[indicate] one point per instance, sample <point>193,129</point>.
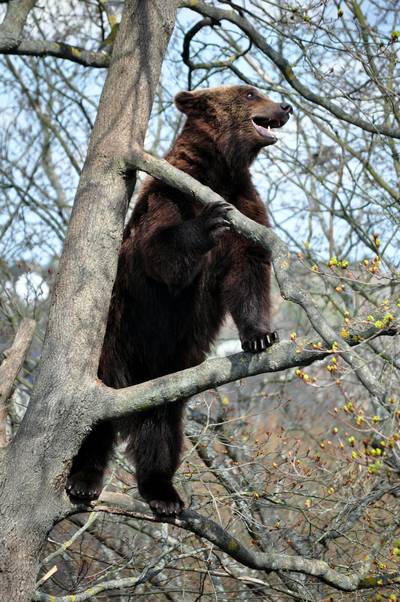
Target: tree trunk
<point>62,409</point>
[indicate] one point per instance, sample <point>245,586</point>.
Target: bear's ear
<point>184,101</point>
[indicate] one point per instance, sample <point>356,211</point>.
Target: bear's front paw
<point>260,342</point>
<point>85,485</point>
<point>214,221</point>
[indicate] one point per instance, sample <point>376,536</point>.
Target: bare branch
<point>211,373</point>
<point>14,358</point>
<point>11,41</point>
<point>211,531</point>
<point>14,21</point>
<point>41,48</point>
<point>113,584</point>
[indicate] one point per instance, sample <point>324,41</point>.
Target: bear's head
<point>240,119</point>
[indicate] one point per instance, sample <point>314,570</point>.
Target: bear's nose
<point>287,108</point>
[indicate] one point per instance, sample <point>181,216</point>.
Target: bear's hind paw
<point>161,496</point>
<point>166,507</point>
<point>84,485</point>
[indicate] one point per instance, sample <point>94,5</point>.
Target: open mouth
<point>266,127</point>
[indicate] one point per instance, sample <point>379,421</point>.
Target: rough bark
<point>60,412</point>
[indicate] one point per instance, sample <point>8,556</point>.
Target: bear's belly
<point>161,332</point>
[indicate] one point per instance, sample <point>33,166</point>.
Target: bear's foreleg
<point>247,295</point>
<point>174,255</point>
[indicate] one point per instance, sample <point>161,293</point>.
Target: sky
<point>284,199</point>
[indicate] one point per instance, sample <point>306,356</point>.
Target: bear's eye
<point>250,95</point>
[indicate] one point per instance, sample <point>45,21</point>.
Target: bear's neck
<point>196,152</point>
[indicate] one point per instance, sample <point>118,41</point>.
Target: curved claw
<point>166,508</point>
<point>217,208</point>
<point>161,496</point>
<point>260,342</point>
<point>84,486</point>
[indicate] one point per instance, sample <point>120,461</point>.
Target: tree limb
<point>14,21</point>
<point>11,41</point>
<point>211,373</point>
<point>41,48</point>
<point>120,504</point>
<point>14,359</point>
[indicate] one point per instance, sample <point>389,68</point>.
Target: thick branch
<point>282,258</point>
<point>285,68</point>
<point>15,19</point>
<point>14,358</point>
<point>211,373</point>
<point>208,529</point>
<point>42,48</point>
<point>11,41</point>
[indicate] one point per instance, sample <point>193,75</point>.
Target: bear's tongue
<point>266,132</point>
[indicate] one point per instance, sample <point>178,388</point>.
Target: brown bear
<point>180,270</point>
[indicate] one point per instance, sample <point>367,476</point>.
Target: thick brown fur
<point>180,270</point>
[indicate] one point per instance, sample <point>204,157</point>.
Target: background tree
<point>295,471</point>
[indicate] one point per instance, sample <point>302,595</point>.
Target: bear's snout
<point>287,109</point>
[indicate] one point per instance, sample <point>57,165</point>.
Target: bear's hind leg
<point>85,481</point>
<point>154,444</point>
